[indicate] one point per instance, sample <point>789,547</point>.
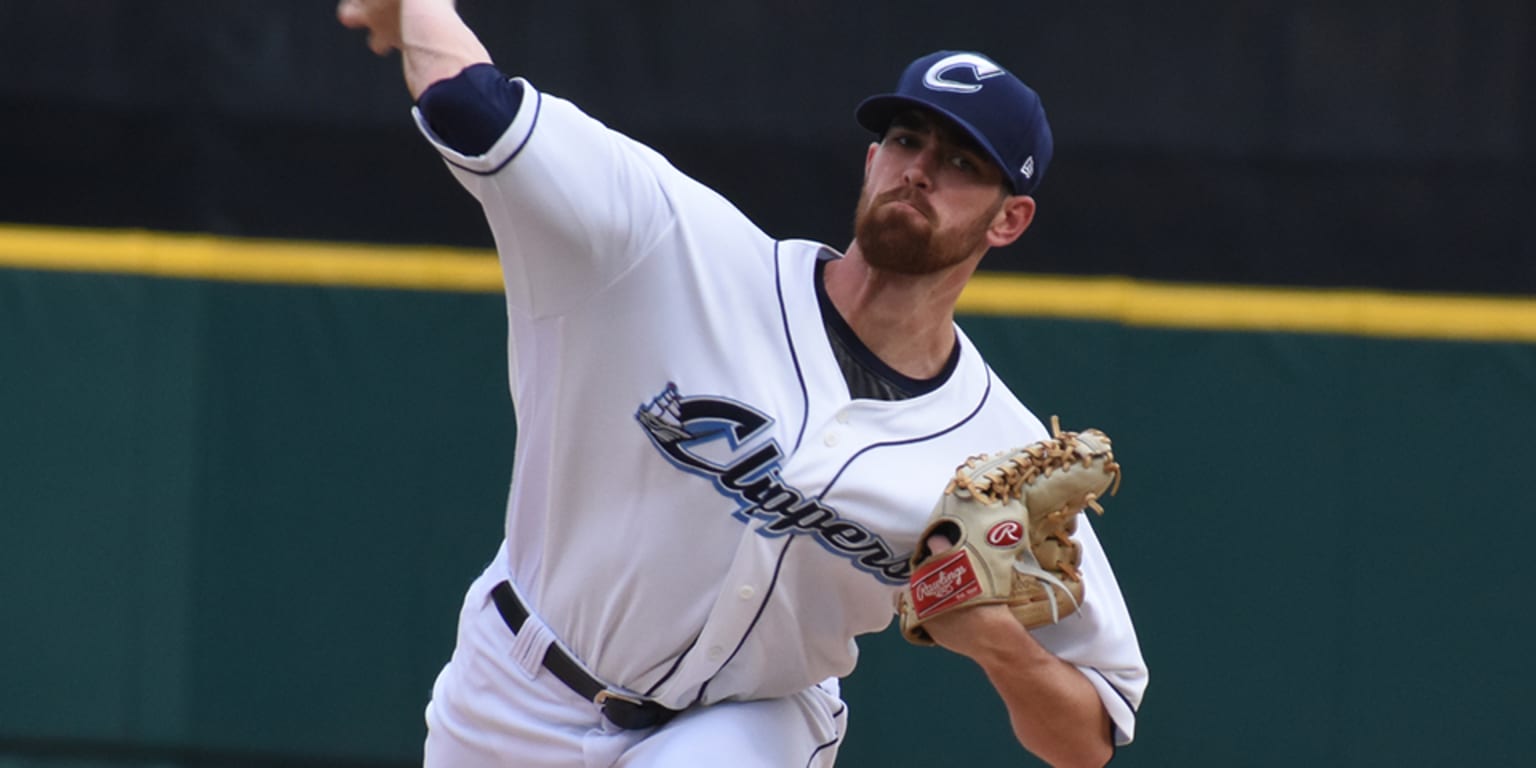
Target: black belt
<point>623,710</point>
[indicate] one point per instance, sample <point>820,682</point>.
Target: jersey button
<point>843,417</point>
<point>715,652</point>
<point>830,439</point>
<point>746,592</point>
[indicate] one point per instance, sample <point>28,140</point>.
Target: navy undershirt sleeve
<point>472,109</point>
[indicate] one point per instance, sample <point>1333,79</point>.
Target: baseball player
<point>728,444</point>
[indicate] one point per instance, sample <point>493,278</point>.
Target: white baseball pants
<point>495,706</point>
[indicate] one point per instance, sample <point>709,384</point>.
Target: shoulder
<point>1002,406</point>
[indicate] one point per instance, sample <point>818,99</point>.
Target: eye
<point>965,163</point>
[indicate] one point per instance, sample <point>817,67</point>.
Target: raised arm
<point>434,42</point>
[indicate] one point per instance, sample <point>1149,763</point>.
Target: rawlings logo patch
<point>942,584</point>
<point>1005,534</point>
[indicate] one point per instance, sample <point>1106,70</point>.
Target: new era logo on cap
<point>1002,114</point>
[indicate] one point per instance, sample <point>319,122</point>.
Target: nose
<point>919,169</point>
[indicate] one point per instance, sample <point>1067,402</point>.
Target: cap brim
<point>876,113</point>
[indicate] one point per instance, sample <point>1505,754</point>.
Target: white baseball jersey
<point>699,511</point>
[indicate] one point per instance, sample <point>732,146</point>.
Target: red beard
<point>904,240</point>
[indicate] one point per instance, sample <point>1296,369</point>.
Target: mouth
<point>909,201</point>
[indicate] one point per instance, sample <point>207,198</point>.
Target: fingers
<point>354,14</point>
<point>379,45</point>
<point>351,15</point>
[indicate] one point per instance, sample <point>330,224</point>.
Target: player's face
<point>930,196</point>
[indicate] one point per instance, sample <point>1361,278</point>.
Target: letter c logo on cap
<point>980,66</point>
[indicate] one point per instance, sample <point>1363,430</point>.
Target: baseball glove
<point>1010,517</point>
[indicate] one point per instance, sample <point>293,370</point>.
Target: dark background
<point>1308,143</point>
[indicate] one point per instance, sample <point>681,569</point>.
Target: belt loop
<point>530,644</point>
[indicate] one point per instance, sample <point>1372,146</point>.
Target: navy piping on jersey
<point>676,663</point>
<point>1116,689</point>
<point>805,417</point>
<point>819,748</point>
<point>778,567</point>
<point>986,393</point>
<point>471,110</point>
<point>1114,749</point>
<point>789,339</point>
<point>767,593</point>
<point>538,106</point>
<point>842,707</point>
<point>799,373</point>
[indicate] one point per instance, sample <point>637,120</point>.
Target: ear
<point>869,156</point>
<point>1015,216</point>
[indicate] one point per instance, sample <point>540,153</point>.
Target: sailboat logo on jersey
<point>714,437</point>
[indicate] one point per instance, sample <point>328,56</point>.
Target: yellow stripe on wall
<point>1209,307</point>
<point>1119,300</point>
<point>204,257</point>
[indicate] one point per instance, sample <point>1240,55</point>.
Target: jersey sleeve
<point>1100,639</point>
<point>470,111</point>
<point>571,204</point>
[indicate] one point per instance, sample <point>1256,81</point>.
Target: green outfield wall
<point>236,518</point>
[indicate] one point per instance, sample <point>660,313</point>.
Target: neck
<point>905,320</point>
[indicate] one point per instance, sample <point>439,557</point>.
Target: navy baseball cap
<point>988,102</point>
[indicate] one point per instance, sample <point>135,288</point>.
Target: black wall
<point>1312,143</point>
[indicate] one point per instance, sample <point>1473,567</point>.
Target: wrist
<point>987,634</point>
